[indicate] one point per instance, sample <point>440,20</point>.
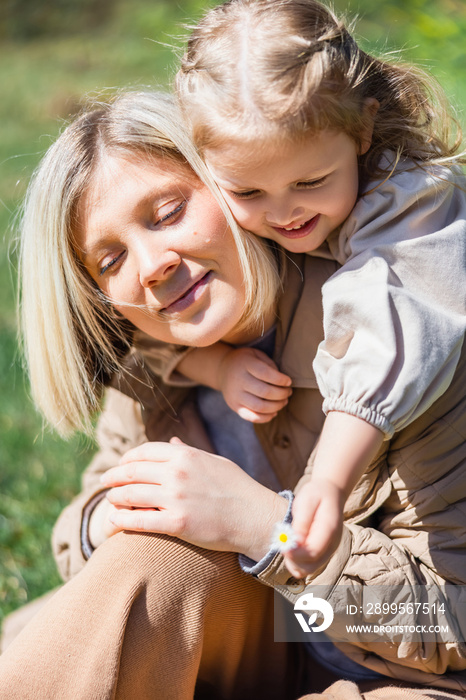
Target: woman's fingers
<point>134,472</point>
<point>150,452</point>
<point>142,520</point>
<point>137,496</point>
<point>176,441</point>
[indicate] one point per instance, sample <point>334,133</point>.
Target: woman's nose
<point>156,264</point>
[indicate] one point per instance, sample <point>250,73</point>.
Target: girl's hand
<point>346,447</point>
<point>251,384</point>
<point>318,523</point>
<point>201,498</point>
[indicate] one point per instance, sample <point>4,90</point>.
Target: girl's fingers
<point>261,406</point>
<point>304,509</point>
<point>323,532</point>
<point>253,417</point>
<point>293,568</point>
<point>263,390</point>
<point>268,373</point>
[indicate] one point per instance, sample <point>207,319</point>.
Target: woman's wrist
<point>98,529</point>
<point>258,536</point>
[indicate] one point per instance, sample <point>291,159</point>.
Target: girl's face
<point>295,193</point>
<point>157,244</point>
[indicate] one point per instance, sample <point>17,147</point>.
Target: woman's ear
<point>369,109</point>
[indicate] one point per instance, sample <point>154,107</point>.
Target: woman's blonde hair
<point>73,340</point>
<point>255,69</point>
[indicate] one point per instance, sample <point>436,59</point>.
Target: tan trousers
<point>150,617</point>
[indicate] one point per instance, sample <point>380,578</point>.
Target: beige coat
<point>416,487</point>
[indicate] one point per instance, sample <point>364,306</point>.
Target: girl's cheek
<point>246,216</point>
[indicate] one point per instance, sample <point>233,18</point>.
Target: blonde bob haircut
<point>73,340</point>
<point>258,70</point>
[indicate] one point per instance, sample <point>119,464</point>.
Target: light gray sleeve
<point>395,312</point>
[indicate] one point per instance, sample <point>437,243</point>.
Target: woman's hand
<point>201,498</point>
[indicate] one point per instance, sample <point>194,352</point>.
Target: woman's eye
<point>248,194</point>
<point>171,214</point>
<point>110,264</point>
<point>309,184</point>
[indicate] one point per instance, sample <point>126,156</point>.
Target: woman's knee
<point>155,560</point>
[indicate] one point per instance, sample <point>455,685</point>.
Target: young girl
<point>329,151</point>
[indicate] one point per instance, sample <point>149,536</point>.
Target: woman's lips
<point>191,295</point>
<point>301,232</point>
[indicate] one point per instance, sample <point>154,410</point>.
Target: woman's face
<point>157,244</point>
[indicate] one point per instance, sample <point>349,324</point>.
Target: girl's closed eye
<point>309,184</point>
<point>247,194</point>
<point>302,185</point>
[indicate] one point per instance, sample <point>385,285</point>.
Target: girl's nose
<point>283,212</point>
<point>156,264</point>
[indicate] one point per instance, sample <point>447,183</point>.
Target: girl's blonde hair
<point>73,340</point>
<point>260,69</point>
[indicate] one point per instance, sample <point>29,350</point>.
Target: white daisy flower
<point>283,537</point>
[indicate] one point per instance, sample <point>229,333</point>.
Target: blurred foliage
<point>28,19</point>
<point>54,55</point>
<point>431,33</point>
<point>25,20</point>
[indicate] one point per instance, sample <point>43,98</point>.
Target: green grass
<point>42,83</point>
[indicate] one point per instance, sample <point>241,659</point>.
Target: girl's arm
<point>346,448</point>
<point>249,380</point>
<point>203,365</point>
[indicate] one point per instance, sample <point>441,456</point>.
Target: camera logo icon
<point>313,607</point>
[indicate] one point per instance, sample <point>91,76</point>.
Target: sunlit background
<point>52,55</point>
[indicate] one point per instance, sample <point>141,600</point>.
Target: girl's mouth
<point>298,232</point>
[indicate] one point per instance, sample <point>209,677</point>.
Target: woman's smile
<point>188,297</point>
